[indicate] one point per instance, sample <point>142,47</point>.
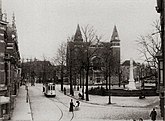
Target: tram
<point>49,89</point>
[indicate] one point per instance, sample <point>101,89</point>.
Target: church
<point>100,60</point>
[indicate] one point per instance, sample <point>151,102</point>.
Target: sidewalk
<point>22,111</point>
<point>148,102</point>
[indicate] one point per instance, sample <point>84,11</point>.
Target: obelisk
<point>131,84</point>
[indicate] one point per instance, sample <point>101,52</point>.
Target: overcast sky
<point>43,24</point>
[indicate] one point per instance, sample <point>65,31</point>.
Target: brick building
<point>102,56</point>
<point>9,67</point>
<point>4,100</point>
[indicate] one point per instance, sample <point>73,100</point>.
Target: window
<point>1,34</point>
<point>2,54</point>
<point>53,87</point>
<point>49,87</point>
<point>2,41</point>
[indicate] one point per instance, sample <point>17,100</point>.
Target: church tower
<point>78,35</point>
<point>115,47</point>
<point>1,10</point>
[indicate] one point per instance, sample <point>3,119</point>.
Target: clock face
<point>116,38</point>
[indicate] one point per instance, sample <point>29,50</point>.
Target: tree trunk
<point>106,79</point>
<point>83,87</point>
<point>71,84</point>
<point>87,73</point>
<point>109,85</point>
<point>62,78</point>
<point>80,78</point>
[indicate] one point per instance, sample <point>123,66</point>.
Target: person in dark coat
<point>64,91</point>
<point>71,106</point>
<point>153,114</point>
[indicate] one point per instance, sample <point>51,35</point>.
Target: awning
<point>4,100</point>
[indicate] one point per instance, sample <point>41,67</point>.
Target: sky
<point>42,25</point>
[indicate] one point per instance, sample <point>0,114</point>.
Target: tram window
<point>49,88</point>
<point>53,87</point>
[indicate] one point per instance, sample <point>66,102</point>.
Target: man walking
<point>71,106</point>
<point>153,114</point>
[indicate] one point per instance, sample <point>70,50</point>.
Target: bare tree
<point>60,59</point>
<point>107,59</point>
<point>149,45</point>
<point>79,54</point>
<point>69,62</point>
<point>89,36</point>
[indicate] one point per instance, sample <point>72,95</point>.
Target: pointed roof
<point>78,35</point>
<point>0,9</point>
<point>115,35</point>
<point>13,21</point>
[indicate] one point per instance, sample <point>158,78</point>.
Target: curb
<point>29,101</point>
<point>113,104</point>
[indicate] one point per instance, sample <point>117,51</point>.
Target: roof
<point>78,35</point>
<point>115,35</point>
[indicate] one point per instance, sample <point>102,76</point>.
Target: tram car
<point>49,89</point>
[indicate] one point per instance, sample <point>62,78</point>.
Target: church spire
<point>5,16</point>
<point>115,35</point>
<point>1,10</point>
<point>78,35</point>
<point>14,27</point>
<point>13,22</point>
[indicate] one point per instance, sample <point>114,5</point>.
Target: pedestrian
<point>153,115</point>
<point>64,91</point>
<point>71,106</point>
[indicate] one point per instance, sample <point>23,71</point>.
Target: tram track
<point>55,101</point>
<point>62,113</point>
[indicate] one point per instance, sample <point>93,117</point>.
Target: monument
<point>131,84</point>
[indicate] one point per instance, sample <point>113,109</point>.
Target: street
<point>50,108</point>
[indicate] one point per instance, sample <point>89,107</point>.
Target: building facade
<point>4,98</point>
<point>9,67</point>
<point>100,57</point>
